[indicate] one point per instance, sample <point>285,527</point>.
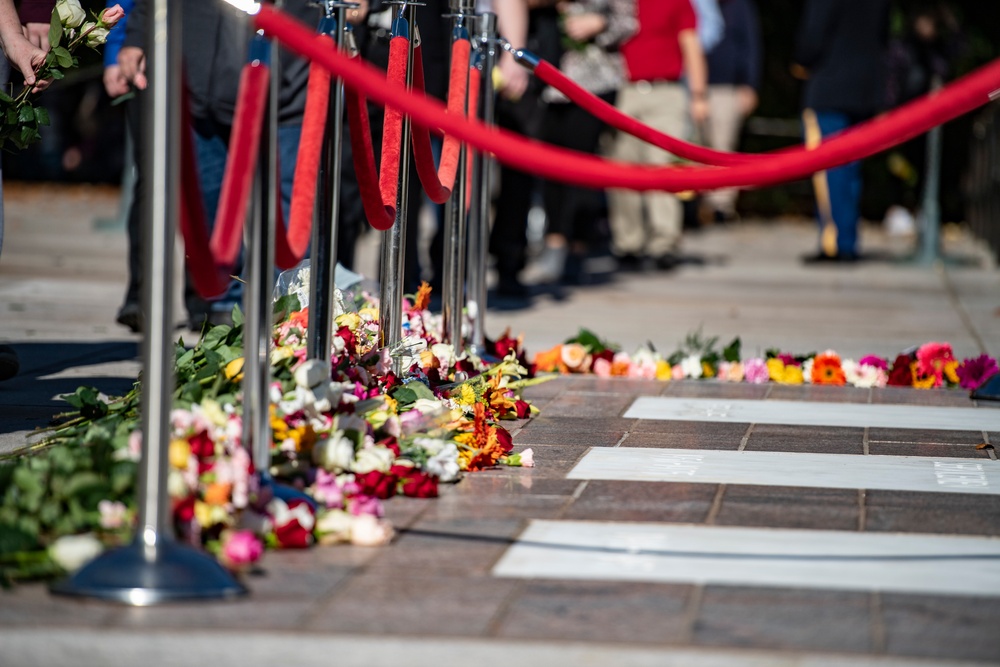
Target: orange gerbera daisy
<point>423,298</point>
<point>826,369</point>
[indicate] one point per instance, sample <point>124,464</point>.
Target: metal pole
<point>479,223</point>
<point>453,278</point>
<point>930,207</point>
<point>323,261</point>
<point>155,568</point>
<point>257,297</point>
<point>393,262</point>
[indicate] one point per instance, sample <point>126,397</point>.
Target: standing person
<point>215,43</point>
<point>733,81</point>
<point>26,54</point>
<point>646,227</point>
<point>592,32</point>
<point>840,51</point>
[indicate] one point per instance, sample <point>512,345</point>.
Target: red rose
<point>607,355</point>
<point>184,510</point>
<point>377,484</point>
<point>202,445</point>
<point>420,485</point>
<point>348,336</point>
<point>292,534</point>
<point>901,375</point>
<point>504,439</point>
<point>390,443</point>
<point>523,409</point>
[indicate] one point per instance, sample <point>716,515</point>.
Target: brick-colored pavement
<point>431,597</point>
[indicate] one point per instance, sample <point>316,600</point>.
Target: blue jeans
<point>844,184</point>
<point>211,148</point>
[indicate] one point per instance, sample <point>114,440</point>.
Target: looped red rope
<point>608,113</point>
<point>380,216</point>
<point>961,96</point>
<point>392,126</point>
<point>438,182</point>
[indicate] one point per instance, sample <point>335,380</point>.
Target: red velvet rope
<point>438,182</point>
<point>380,216</point>
<point>392,126</point>
<point>961,96</point>
<point>307,162</point>
<point>237,179</point>
<point>608,113</point>
<point>209,279</point>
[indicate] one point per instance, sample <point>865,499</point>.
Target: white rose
<point>334,527</point>
<point>177,486</point>
<point>368,531</point>
<point>445,354</point>
<point>70,12</point>
<point>97,36</point>
<point>432,446</point>
<point>373,458</point>
<point>335,453</point>
<point>312,372</point>
<point>444,464</point>
<point>71,552</point>
<point>692,366</point>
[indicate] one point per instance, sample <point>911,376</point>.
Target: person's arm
<point>512,24</point>
<point>696,74</point>
<point>21,53</point>
<point>132,56</point>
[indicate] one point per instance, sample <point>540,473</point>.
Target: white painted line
<point>807,413</point>
<point>932,564</point>
<point>831,471</point>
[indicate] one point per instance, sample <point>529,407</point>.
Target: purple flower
<point>972,373</point>
<point>873,360</point>
<point>755,371</point>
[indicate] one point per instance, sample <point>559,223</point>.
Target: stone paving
<point>432,597</point>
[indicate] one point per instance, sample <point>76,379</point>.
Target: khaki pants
<point>648,223</point>
<point>723,129</point>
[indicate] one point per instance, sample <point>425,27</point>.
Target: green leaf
<point>42,116</point>
<point>63,56</point>
<point>28,481</point>
<point>732,351</point>
<point>237,317</point>
<point>26,114</point>
<point>13,539</point>
<point>56,74</point>
<point>55,29</point>
<point>284,307</point>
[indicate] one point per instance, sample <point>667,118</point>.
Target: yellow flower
<point>706,370</point>
<point>208,515</point>
<point>350,320</point>
<point>214,413</point>
<point>466,396</point>
<point>792,375</point>
<point>922,382</point>
<point>775,369</point>
<point>951,372</point>
<point>179,454</point>
<point>467,438</point>
<point>281,353</point>
<point>234,370</point>
<point>663,370</point>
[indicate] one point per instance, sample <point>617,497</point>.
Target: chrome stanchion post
<point>392,267</point>
<point>930,206</point>
<point>453,278</point>
<point>323,258</point>
<point>479,222</point>
<point>155,567</point>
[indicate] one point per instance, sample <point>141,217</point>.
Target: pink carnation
<point>240,548</point>
<point>755,371</point>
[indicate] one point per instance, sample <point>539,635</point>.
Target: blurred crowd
<point>689,68</point>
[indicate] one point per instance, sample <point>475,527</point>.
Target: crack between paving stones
<point>746,438</point>
<point>716,507</point>
<point>960,309</point>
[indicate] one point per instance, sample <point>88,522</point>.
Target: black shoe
<point>512,287</point>
<point>666,262</point>
<point>823,258</point>
<point>9,362</point>
<point>630,263</point>
<point>130,315</point>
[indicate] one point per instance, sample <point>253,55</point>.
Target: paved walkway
<point>560,564</point>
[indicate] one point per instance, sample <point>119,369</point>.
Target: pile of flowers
<point>930,366</point>
<point>346,438</point>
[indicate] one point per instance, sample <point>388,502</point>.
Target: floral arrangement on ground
<point>345,439</point>
<point>929,366</point>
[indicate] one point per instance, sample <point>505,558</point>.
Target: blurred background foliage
<point>86,140</point>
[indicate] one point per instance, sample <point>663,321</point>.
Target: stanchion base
<point>131,576</point>
<point>989,391</point>
<point>285,492</point>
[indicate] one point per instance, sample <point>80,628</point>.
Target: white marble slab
<point>807,413</point>
<point>831,471</point>
<point>933,564</point>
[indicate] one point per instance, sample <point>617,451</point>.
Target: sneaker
<point>9,362</point>
<point>548,268</point>
<point>899,222</point>
<point>130,315</point>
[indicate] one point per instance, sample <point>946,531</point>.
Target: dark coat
<point>842,44</point>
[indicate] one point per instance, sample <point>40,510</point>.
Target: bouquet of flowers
<point>69,29</point>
